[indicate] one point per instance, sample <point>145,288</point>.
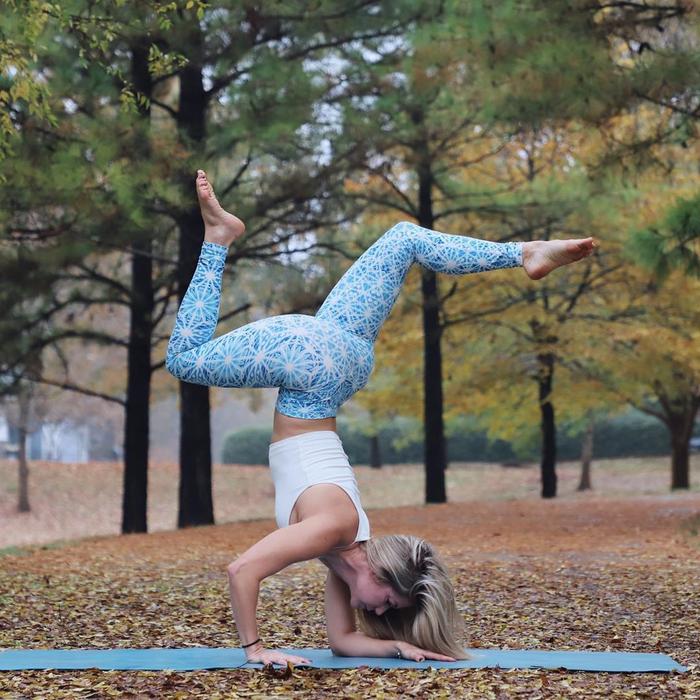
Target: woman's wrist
<point>253,648</point>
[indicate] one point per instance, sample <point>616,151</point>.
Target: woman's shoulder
<point>330,499</point>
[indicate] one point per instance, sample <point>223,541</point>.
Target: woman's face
<point>370,594</point>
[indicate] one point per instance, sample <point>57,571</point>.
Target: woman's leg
<point>299,353</point>
<point>311,360</point>
<point>198,313</point>
<point>365,294</point>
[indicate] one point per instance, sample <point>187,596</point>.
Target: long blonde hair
<point>412,567</point>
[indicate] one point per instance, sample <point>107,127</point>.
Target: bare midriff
<point>286,426</point>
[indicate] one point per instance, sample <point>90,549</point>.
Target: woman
<point>399,586</point>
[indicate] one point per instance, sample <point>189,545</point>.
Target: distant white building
<point>60,442</point>
<point>56,442</point>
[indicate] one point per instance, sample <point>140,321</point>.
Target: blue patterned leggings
<point>318,362</point>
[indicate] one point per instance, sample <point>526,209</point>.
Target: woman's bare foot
<point>219,225</point>
<point>541,257</point>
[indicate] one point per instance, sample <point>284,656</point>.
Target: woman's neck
<point>345,563</point>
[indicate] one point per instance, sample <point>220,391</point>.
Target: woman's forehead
<point>402,600</point>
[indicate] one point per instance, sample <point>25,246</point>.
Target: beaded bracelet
<point>243,646</point>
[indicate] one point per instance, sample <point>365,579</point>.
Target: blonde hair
<point>412,567</point>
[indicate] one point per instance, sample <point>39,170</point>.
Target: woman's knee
<point>174,367</point>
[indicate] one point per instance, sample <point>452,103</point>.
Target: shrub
<point>246,446</point>
<point>632,434</point>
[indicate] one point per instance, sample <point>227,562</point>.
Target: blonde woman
<point>398,585</point>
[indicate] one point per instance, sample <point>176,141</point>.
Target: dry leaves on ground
<point>595,574</point>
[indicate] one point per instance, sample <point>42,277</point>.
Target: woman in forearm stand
<point>398,584</point>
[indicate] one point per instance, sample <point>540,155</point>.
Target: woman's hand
<point>272,656</point>
<point>408,651</point>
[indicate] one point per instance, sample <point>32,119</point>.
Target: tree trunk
<point>681,412</point>
<point>22,463</point>
<point>375,454</point>
<point>435,449</point>
<point>136,427</point>
<point>548,426</point>
<point>586,458</point>
<point>195,493</point>
<point>680,464</point>
<point>680,426</point>
<point>138,389</point>
<point>195,503</point>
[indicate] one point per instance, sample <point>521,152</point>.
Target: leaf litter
<point>594,574</point>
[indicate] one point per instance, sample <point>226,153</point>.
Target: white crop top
<point>308,459</point>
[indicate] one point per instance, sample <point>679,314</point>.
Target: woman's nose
<point>380,610</point>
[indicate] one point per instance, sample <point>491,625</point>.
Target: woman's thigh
<point>294,351</point>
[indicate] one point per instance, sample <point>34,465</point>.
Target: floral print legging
<point>318,362</point>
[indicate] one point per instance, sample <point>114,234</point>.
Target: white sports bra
<point>308,459</point>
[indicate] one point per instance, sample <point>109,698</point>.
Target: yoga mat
<point>196,658</point>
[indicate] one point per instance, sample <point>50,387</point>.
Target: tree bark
<point>195,502</point>
<point>680,425</point>
<point>375,454</point>
<point>435,448</point>
<point>586,458</point>
<point>195,493</point>
<point>680,464</point>
<point>679,416</point>
<point>548,426</point>
<point>22,463</point>
<point>138,389</point>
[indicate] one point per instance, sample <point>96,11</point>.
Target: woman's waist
<point>285,426</point>
<point>310,458</point>
<point>307,438</point>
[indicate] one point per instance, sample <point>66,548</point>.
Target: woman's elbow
<point>243,572</point>
<point>235,567</point>
<point>341,644</point>
<point>337,649</point>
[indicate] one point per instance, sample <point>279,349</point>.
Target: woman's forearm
<point>359,644</point>
<point>244,589</point>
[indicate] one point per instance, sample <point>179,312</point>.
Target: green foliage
<point>673,244</point>
<point>246,446</point>
<point>161,63</point>
<point>632,434</point>
<point>22,92</point>
<point>539,62</point>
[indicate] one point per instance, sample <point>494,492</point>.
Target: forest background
<point>322,124</point>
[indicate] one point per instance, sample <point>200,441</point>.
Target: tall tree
<point>105,207</point>
<point>451,80</point>
<point>427,113</point>
<point>264,61</point>
<point>131,197</point>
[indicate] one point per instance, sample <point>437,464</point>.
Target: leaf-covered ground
<point>598,574</point>
<point>70,501</point>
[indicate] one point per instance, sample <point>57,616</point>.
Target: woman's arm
<point>343,637</point>
<point>345,640</point>
<point>308,539</point>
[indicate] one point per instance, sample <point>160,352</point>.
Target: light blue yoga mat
<point>198,658</point>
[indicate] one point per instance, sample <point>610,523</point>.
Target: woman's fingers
<point>283,658</point>
<point>422,655</point>
<point>440,657</point>
<point>267,657</point>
